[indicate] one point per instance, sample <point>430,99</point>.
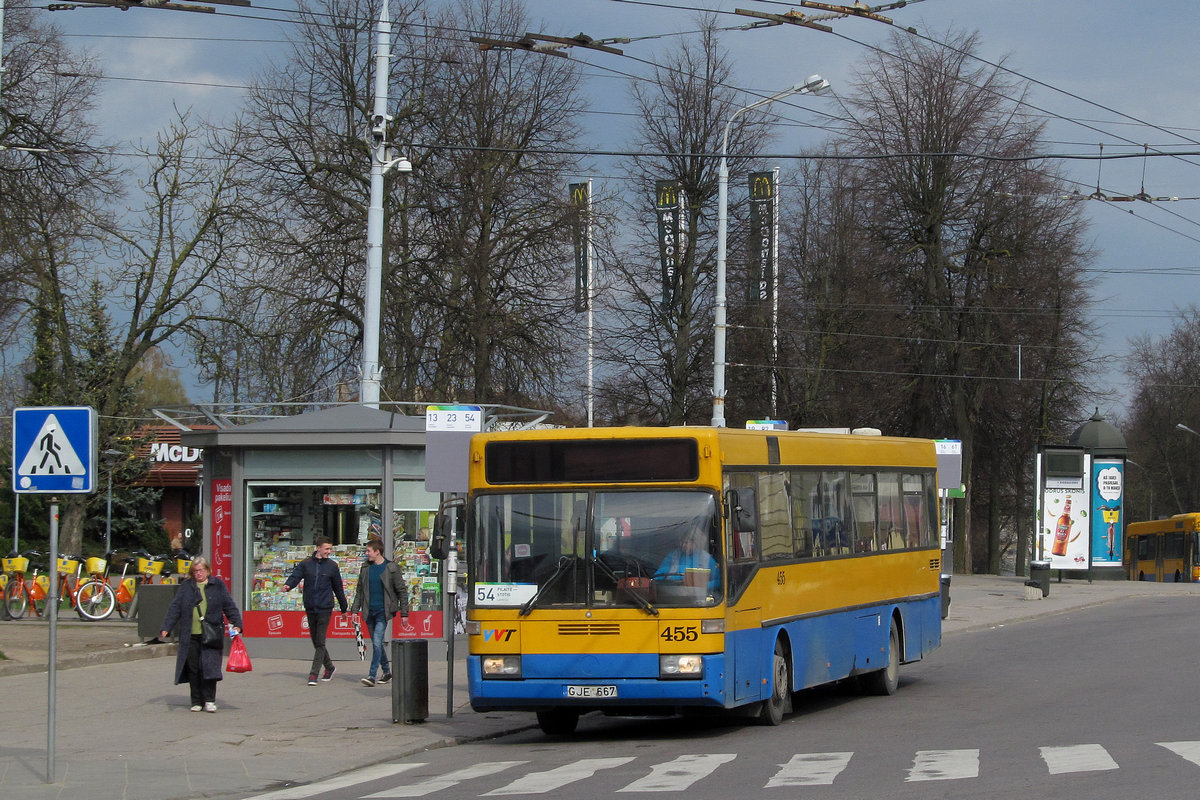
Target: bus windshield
<point>638,549</point>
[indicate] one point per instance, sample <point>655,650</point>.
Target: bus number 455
<point>680,633</point>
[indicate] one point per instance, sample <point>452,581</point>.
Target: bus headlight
<point>680,667</point>
<point>501,666</point>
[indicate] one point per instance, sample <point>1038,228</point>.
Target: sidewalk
<point>123,730</point>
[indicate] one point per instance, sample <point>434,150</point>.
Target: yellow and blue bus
<point>1164,549</point>
<point>646,571</point>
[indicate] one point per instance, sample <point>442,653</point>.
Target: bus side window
<point>774,515</point>
<point>804,515</point>
<point>863,504</point>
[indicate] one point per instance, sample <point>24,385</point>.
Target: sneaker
<point>197,708</point>
<point>387,678</point>
<point>368,681</point>
<point>328,674</point>
<point>312,680</point>
<point>210,708</point>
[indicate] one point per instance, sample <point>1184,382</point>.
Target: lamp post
<point>1183,427</point>
<point>814,85</point>
<point>383,159</point>
<point>110,458</point>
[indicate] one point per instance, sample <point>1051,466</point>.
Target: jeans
<point>377,624</point>
<point>318,628</point>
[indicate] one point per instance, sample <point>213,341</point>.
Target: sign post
<point>448,432</point>
<point>54,452</point>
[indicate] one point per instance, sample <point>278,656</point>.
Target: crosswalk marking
<point>1077,758</point>
<point>541,782</point>
<point>439,782</point>
<point>944,765</point>
<point>679,774</point>
<point>810,769</point>
<point>674,776</point>
<point>1188,750</point>
<point>340,782</point>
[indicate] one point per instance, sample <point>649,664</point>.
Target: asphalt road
<point>1094,703</point>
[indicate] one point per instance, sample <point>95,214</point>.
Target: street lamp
<point>814,85</point>
<point>1183,427</point>
<point>110,458</point>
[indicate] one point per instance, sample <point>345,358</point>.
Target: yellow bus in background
<point>1164,549</point>
<point>643,571</point>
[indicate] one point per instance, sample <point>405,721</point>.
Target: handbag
<point>239,659</point>
<point>212,634</point>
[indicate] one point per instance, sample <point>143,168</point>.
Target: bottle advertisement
<point>1064,527</point>
<point>1108,482</point>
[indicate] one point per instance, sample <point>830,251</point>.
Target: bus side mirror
<point>742,509</point>
<point>439,540</point>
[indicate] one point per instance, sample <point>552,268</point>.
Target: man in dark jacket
<point>322,583</point>
<point>381,593</point>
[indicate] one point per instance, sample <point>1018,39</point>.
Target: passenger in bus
<point>691,554</point>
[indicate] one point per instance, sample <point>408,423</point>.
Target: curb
<point>129,653</point>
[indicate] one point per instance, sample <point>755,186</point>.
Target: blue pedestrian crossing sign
<point>54,450</point>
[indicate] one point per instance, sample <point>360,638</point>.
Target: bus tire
<point>558,721</point>
<point>780,701</point>
<point>886,680</point>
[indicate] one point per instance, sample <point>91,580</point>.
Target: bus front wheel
<point>780,701</point>
<point>886,680</point>
<point>558,721</point>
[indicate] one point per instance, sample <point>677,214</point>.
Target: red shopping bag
<point>239,659</point>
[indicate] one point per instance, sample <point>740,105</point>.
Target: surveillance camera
<point>403,165</point>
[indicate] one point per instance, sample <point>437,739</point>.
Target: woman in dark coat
<point>200,666</point>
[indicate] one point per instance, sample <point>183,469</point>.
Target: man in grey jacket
<point>381,593</point>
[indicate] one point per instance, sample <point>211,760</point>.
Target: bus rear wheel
<point>886,680</point>
<point>780,701</point>
<point>558,721</point>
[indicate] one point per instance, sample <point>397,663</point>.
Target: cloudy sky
<point>1109,73</point>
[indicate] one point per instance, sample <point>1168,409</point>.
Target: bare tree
<point>660,353</point>
<point>1165,371</point>
<point>476,251</point>
<point>971,258</point>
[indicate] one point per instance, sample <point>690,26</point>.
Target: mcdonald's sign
<point>580,231</point>
<point>762,237</point>
<point>668,206</point>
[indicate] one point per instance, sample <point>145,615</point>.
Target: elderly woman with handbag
<point>200,609</point>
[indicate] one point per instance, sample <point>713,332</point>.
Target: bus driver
<point>691,554</point>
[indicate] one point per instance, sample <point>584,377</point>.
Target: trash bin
<point>1039,573</point>
<point>153,599</point>
<point>410,680</point>
<point>945,595</point>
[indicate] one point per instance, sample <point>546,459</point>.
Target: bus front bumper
<point>595,681</point>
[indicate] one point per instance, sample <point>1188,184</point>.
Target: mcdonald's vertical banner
<point>667,205</point>
<point>580,235</point>
<point>762,237</point>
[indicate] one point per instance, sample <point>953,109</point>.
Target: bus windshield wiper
<point>563,564</point>
<point>637,598</point>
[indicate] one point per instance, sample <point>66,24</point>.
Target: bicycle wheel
<point>95,600</point>
<point>15,601</point>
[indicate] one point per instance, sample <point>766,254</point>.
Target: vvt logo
<point>498,634</point>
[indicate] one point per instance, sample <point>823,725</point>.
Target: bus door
<point>741,526</point>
